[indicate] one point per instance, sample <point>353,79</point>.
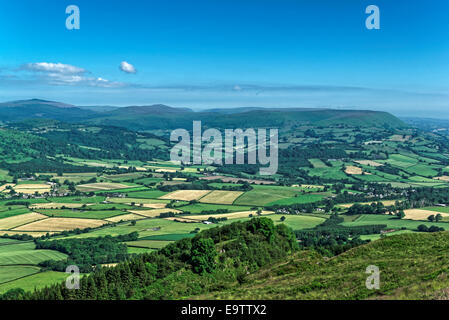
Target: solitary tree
<point>431,218</point>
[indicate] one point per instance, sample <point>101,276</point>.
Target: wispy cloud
<point>127,67</point>
<point>53,68</point>
<point>60,74</point>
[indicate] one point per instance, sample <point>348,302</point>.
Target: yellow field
<point>221,197</point>
<point>419,214</point>
<point>179,219</point>
<point>125,217</point>
<point>165,170</point>
<point>15,221</point>
<point>353,170</point>
<point>33,234</point>
<point>369,163</point>
<point>385,202</point>
<point>55,205</point>
<point>234,215</point>
<point>153,213</point>
<point>3,187</point>
<point>154,205</point>
<point>186,195</point>
<point>101,186</point>
<point>32,188</point>
<point>61,224</point>
<point>313,186</point>
<point>145,203</point>
<point>442,178</point>
<point>399,137</point>
<point>137,168</point>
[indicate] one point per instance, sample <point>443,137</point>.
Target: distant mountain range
<point>160,117</point>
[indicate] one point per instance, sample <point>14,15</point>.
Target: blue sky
<point>226,53</point>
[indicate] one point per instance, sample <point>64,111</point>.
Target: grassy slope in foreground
<point>412,266</point>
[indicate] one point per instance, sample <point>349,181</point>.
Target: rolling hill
<point>162,117</point>
<point>36,108</point>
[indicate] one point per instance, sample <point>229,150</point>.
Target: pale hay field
<point>15,221</point>
<point>234,215</point>
<point>54,205</point>
<point>32,188</point>
<point>385,202</point>
<point>369,163</point>
<point>3,187</point>
<point>221,197</point>
<point>186,195</point>
<point>61,224</point>
<point>353,170</point>
<point>442,178</point>
<point>33,234</point>
<point>100,186</point>
<point>125,217</point>
<point>153,213</point>
<point>420,214</point>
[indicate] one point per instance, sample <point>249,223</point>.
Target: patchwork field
<point>35,280</point>
<point>392,222</point>
<point>317,163</point>
<point>24,253</point>
<point>10,273</point>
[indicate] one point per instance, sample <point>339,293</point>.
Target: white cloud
<point>66,75</point>
<point>127,67</point>
<point>237,88</point>
<point>54,68</point>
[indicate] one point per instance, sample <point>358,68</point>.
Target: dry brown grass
<point>61,224</point>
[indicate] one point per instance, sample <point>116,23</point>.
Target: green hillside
<point>283,118</point>
<point>412,266</point>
